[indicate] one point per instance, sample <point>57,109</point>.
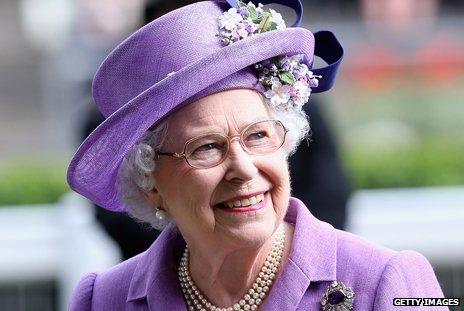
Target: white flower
<point>301,88</point>
<point>294,61</point>
<point>230,19</point>
<point>259,9</point>
<point>278,94</point>
<point>274,80</point>
<point>303,70</point>
<point>303,91</point>
<point>252,5</point>
<point>277,18</point>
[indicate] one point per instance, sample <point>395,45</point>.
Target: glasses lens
<point>206,151</point>
<point>264,137</point>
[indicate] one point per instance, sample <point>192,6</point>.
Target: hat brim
<point>94,168</point>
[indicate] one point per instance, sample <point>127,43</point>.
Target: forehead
<point>227,111</point>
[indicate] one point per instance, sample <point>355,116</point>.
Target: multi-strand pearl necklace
<point>255,295</point>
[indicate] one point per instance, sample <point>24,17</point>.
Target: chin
<point>252,234</point>
<point>251,228</point>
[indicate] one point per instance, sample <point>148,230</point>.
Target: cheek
<point>278,174</point>
<point>187,191</point>
<point>282,191</point>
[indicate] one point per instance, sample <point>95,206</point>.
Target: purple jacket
<point>320,255</point>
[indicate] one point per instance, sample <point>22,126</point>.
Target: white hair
<point>136,171</point>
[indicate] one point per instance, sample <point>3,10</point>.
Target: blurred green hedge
<point>431,163</point>
<point>32,182</point>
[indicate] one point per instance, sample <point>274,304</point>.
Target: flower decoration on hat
<point>337,297</point>
<point>287,79</point>
<point>248,20</point>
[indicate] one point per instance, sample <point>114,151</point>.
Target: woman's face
<point>196,198</point>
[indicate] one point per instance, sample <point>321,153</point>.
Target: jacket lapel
<point>155,277</point>
<point>312,258</point>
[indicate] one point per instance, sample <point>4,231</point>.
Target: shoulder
<point>107,288</point>
<point>357,253</point>
<point>408,274</point>
<point>380,274</point>
<point>82,295</point>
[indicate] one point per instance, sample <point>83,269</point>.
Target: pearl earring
<point>160,215</point>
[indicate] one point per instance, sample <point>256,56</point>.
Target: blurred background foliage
<point>408,134</point>
<point>32,181</point>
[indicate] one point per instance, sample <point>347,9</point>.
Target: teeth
<point>245,202</point>
<point>253,200</point>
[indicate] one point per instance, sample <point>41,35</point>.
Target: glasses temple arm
<point>175,154</point>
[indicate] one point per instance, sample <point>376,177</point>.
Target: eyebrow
<point>217,129</point>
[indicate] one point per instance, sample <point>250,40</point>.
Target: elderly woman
<point>203,109</point>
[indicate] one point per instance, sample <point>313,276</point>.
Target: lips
<point>244,203</point>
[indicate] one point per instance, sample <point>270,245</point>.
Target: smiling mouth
<point>245,203</point>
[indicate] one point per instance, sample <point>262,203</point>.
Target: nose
<point>240,165</point>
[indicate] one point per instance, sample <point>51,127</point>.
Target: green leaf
<point>252,12</point>
<point>287,77</point>
<point>272,26</point>
<point>264,25</point>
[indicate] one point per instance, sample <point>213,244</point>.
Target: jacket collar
<point>314,248</point>
<point>312,259</point>
<point>155,277</point>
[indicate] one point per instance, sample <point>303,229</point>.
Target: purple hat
<point>169,63</point>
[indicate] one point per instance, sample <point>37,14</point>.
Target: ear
<point>154,197</point>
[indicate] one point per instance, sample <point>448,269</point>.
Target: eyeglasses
<point>209,150</point>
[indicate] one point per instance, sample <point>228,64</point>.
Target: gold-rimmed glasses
<point>211,149</point>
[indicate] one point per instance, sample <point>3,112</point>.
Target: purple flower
<point>241,31</point>
<point>296,74</point>
<point>293,91</point>
<point>285,63</point>
<point>243,11</point>
<point>313,82</point>
<point>250,26</point>
<point>272,68</point>
<point>235,36</point>
<point>266,63</point>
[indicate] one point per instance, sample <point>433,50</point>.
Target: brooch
<point>337,297</point>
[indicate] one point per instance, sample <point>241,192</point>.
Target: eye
<point>257,135</point>
<point>207,147</point>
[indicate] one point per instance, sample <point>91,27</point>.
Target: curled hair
<point>136,171</point>
<point>136,175</point>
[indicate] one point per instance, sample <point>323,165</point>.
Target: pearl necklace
<point>255,295</point>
